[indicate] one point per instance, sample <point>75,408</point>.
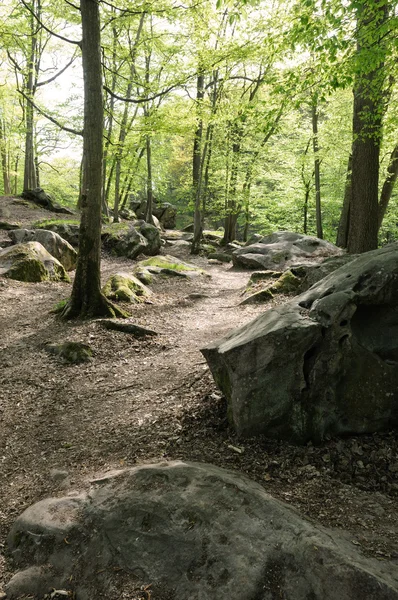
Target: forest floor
<point>153,399</point>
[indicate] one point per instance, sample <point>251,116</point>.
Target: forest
<point>198,300</point>
<point>256,116</point>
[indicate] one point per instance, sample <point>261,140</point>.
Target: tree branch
<point>60,37</point>
<point>72,60</point>
<point>57,123</point>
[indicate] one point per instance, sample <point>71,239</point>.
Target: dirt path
<point>154,399</point>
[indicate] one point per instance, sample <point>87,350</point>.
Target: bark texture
<point>87,299</point>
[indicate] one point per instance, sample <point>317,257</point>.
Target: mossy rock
<point>6,226</point>
<point>124,287</point>
<point>260,275</point>
<point>286,284</point>
<point>71,352</point>
<point>220,256</point>
<point>143,275</point>
<point>31,262</point>
<point>171,263</point>
<point>261,296</point>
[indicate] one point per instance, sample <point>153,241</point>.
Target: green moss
<point>30,270</point>
<point>143,275</point>
<point>125,288</point>
<point>169,262</point>
<point>44,223</point>
<point>115,228</point>
<point>286,284</point>
<point>59,306</point>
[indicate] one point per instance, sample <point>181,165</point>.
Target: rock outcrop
<point>39,197</point>
<point>68,231</point>
<point>30,262</point>
<point>52,242</point>
<point>187,531</point>
<point>324,363</point>
<point>282,249</point>
<point>129,240</point>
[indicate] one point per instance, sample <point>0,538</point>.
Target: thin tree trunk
<point>16,174</point>
<point>317,170</point>
<point>388,186</point>
<point>342,231</point>
<point>197,168</point>
<point>4,161</point>
<point>86,299</point>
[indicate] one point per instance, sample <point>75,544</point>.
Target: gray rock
<point>132,240</point>
<point>283,249</point>
<point>310,274</point>
<point>167,214</point>
<point>52,242</point>
<point>323,363</point>
<point>30,262</point>
<point>192,531</point>
<point>67,231</point>
<point>39,196</point>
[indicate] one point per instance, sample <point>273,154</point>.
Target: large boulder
<point>129,240</point>
<point>52,242</point>
<point>324,363</point>
<point>282,249</point>
<point>167,214</point>
<point>125,287</point>
<point>187,531</point>
<point>30,262</point>
<point>68,231</point>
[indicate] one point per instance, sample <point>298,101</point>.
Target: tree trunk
<point>367,129</point>
<point>30,180</point>
<point>342,231</point>
<point>87,299</point>
<point>4,161</point>
<point>388,186</point>
<point>197,168</point>
<point>317,170</point>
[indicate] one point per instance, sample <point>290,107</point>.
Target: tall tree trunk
<point>197,167</point>
<point>30,179</point>
<point>342,231</point>
<point>388,185</point>
<point>86,299</point>
<point>317,170</point>
<point>367,128</point>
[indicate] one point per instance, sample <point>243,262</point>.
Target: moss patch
<point>59,306</point>
<point>286,284</point>
<point>170,263</point>
<point>46,223</point>
<point>32,263</point>
<point>123,287</point>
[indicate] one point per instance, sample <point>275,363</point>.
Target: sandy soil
<point>153,399</point>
